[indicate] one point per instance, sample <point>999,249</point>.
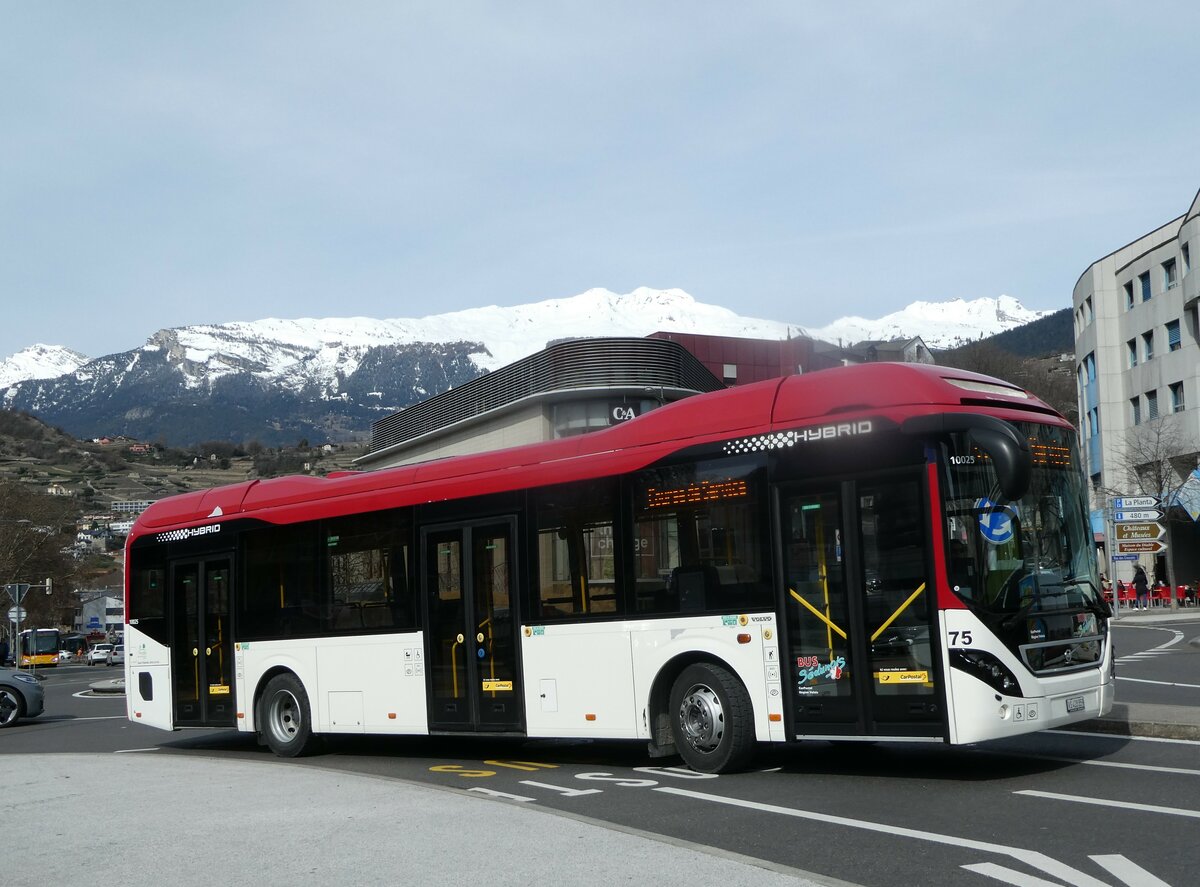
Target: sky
<point>800,161</point>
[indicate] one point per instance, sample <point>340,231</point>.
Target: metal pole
<point>1111,546</point>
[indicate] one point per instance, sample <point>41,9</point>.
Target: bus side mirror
<point>1006,447</point>
<point>1011,457</point>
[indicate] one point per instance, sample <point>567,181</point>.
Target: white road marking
<point>563,790</point>
<point>1111,736</point>
<point>129,751</point>
<point>1122,765</point>
<point>1129,872</point>
<point>1009,876</point>
<point>1031,858</point>
<point>1160,683</point>
<point>492,793</point>
<point>1102,802</point>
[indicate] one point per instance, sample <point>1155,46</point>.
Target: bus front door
<point>470,627</point>
<point>858,599</point>
<point>201,644</point>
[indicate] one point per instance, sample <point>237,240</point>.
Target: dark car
<point>20,696</point>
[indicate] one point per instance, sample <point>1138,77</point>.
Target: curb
<point>115,686</point>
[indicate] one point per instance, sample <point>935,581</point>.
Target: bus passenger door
<point>823,643</point>
<point>858,606</point>
<point>470,627</point>
<point>201,643</point>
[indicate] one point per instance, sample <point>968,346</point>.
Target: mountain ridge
<point>277,380</point>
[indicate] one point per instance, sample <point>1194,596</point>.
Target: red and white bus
<point>883,552</point>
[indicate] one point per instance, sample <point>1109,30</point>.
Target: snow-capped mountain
<point>279,380</point>
<point>311,352</point>
<point>939,324</point>
<point>39,362</point>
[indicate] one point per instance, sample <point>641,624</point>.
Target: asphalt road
<point>1158,663</point>
<point>1053,808</point>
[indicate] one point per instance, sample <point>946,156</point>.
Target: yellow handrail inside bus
<point>454,669</point>
<point>818,614</point>
<point>912,597</point>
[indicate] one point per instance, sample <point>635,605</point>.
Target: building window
<point>1151,405</point>
<point>1177,402</point>
<point>729,373</point>
<point>1087,310</point>
<point>1169,279</point>
<point>1187,259</point>
<point>1144,281</point>
<point>1090,363</point>
<point>1129,296</point>
<point>1094,421</point>
<point>1131,346</point>
<point>1148,346</point>
<point>1173,342</point>
<point>1135,404</point>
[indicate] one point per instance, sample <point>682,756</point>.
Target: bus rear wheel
<point>711,719</point>
<point>285,718</point>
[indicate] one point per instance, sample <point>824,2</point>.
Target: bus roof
<point>891,390</point>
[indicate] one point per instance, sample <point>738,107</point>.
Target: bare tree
<point>1157,459</point>
<point>35,530</point>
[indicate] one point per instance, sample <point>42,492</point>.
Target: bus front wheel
<point>711,719</point>
<point>285,718</point>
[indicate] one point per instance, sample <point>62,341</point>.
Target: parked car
<point>64,656</point>
<point>20,696</point>
<point>99,654</point>
<point>116,656</point>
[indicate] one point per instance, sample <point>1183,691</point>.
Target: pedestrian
<point>1141,586</point>
<point>3,651</point>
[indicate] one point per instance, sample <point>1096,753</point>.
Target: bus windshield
<point>1032,555</point>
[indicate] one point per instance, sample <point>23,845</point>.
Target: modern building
<point>1137,351</point>
<point>580,385</point>
<point>568,388</point>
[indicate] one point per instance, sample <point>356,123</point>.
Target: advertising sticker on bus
<point>996,522</point>
<point>811,669</point>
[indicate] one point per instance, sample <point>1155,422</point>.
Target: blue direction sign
<point>1125,503</point>
<point>1124,557</point>
<point>1141,515</point>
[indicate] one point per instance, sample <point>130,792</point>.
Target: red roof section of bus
<point>881,389</point>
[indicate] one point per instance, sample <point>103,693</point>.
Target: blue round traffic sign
<point>995,521</point>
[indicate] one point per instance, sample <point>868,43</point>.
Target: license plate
<point>1074,704</point>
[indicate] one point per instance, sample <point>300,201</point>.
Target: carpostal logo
<point>188,533</point>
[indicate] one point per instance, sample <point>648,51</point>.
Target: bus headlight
<point>987,668</point>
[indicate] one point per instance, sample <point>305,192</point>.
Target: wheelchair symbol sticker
<point>995,521</point>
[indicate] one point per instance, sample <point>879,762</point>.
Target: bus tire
<point>12,707</point>
<point>711,719</point>
<point>285,718</point>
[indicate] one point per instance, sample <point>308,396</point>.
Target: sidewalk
<point>180,820</point>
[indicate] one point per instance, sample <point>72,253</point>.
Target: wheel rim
<point>10,708</point>
<point>702,718</point>
<point>283,717</point>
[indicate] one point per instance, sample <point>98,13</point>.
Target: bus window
<point>576,563</point>
<point>279,596</point>
<point>698,542</point>
<point>367,572</point>
<point>147,600</point>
